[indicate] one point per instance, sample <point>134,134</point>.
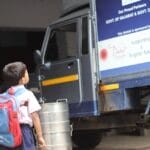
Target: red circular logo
<point>103,54</point>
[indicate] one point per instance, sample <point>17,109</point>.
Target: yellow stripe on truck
<point>60,80</point>
<point>109,87</point>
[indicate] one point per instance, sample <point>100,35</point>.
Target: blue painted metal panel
<point>86,108</point>
<point>114,17</point>
<point>126,70</point>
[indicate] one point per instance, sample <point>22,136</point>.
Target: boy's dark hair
<point>13,72</point>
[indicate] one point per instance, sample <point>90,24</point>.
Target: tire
<point>86,139</point>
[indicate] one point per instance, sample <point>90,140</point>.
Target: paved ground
<point>124,142</point>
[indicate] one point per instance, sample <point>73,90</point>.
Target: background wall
<point>28,13</point>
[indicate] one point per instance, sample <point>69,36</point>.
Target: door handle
<point>70,65</point>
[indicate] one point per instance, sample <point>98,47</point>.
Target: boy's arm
<point>38,129</point>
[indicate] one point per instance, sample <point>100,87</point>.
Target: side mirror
<point>37,57</point>
<point>38,61</point>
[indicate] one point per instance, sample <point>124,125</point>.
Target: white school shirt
<point>28,104</point>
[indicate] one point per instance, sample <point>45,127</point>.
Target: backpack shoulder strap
<point>14,94</point>
<point>20,91</point>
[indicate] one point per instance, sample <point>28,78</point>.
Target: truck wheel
<point>86,139</point>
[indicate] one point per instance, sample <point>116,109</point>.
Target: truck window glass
<point>62,43</point>
<point>84,35</point>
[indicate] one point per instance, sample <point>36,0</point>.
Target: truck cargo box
<point>123,38</point>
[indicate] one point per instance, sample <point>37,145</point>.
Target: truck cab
<point>69,45</point>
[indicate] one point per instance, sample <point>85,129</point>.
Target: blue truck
<point>99,58</point>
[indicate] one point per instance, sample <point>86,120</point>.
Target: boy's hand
<point>41,142</point>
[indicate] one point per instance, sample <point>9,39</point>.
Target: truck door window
<point>84,35</point>
<point>62,43</point>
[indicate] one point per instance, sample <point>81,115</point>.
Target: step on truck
<point>97,56</point>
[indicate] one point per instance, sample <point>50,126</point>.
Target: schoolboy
<point>15,76</point>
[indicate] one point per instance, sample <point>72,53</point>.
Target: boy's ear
<point>22,80</point>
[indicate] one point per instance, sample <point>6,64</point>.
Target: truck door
<point>70,76</point>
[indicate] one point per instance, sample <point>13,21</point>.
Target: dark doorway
<point>18,45</point>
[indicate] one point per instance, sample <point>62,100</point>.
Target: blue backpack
<point>10,131</point>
